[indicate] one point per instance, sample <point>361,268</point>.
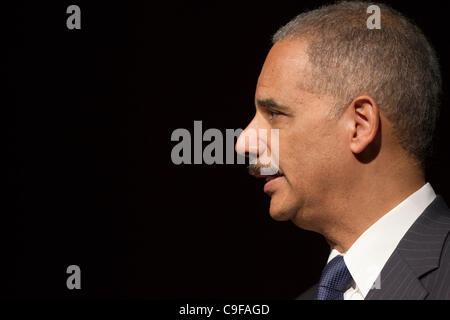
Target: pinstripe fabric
<point>419,268</point>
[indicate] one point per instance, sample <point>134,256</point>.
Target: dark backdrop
<point>89,118</point>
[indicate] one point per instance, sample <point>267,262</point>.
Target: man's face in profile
<point>312,146</point>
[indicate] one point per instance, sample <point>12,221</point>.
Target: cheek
<point>293,157</point>
<point>308,158</point>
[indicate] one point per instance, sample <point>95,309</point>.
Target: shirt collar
<point>369,253</point>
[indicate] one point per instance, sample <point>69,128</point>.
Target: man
<point>355,110</point>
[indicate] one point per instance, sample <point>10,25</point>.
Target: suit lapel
<point>397,282</point>
<point>417,254</point>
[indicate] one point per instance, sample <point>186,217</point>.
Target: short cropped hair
<point>395,65</point>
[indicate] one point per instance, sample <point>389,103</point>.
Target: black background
<point>90,178</point>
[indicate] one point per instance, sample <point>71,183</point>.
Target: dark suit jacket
<point>419,268</point>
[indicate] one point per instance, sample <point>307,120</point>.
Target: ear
<point>364,123</point>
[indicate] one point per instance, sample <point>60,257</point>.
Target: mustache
<point>255,169</point>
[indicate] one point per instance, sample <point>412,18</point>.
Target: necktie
<point>334,279</point>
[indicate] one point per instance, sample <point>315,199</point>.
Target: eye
<point>273,114</point>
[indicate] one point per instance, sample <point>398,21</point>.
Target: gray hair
<point>395,65</point>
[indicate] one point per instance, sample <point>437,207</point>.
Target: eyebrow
<point>270,103</point>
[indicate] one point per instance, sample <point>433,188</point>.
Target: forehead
<point>284,69</point>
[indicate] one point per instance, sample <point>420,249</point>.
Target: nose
<point>249,143</point>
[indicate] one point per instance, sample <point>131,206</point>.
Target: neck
<point>370,198</point>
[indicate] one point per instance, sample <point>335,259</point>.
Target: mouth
<point>273,182</point>
<point>272,177</point>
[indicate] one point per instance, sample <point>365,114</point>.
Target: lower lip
<point>270,186</point>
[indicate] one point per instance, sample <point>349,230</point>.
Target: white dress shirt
<point>369,253</point>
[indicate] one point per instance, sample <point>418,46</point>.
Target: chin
<point>278,212</point>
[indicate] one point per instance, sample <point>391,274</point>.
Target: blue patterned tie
<point>334,280</point>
